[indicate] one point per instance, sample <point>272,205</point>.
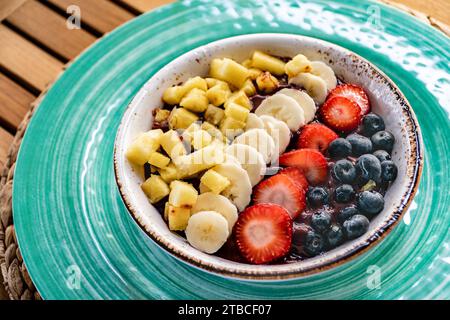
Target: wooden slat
<point>27,61</point>
<point>14,101</point>
<point>145,5</point>
<point>49,28</point>
<point>5,141</point>
<point>101,15</point>
<point>9,6</point>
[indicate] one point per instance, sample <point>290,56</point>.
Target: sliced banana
<point>315,86</point>
<point>207,231</point>
<point>250,159</point>
<point>253,122</point>
<point>283,108</point>
<point>260,140</point>
<point>215,202</point>
<point>304,100</point>
<point>324,71</point>
<point>279,131</point>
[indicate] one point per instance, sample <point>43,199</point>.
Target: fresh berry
<point>344,171</point>
<point>339,148</point>
<point>297,176</point>
<point>321,221</point>
<point>370,203</point>
<point>382,155</point>
<point>369,168</point>
<point>264,233</point>
<point>311,162</point>
<point>360,144</point>
<point>354,93</point>
<point>371,124</point>
<point>356,226</point>
<point>281,190</point>
<point>334,236</point>
<point>314,243</point>
<point>346,213</point>
<point>317,196</point>
<point>300,230</point>
<point>383,140</point>
<point>316,136</point>
<point>388,171</point>
<point>344,193</point>
<point>341,114</point>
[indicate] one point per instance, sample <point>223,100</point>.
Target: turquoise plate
<point>76,236</point>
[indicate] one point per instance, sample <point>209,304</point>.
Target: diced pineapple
<point>239,98</point>
<point>178,217</point>
<point>161,115</point>
<point>267,82</point>
<point>140,149</point>
<point>231,127</point>
<point>173,95</point>
<point>218,94</point>
<point>236,112</point>
<point>166,211</point>
<point>297,65</point>
<point>267,62</point>
<point>214,114</point>
<point>214,181</point>
<point>181,118</point>
<point>254,73</point>
<point>200,160</point>
<point>229,71</point>
<point>182,194</point>
<point>188,133</point>
<point>195,83</point>
<point>200,139</point>
<point>249,88</point>
<point>247,63</point>
<point>213,131</point>
<point>172,144</point>
<point>155,188</point>
<point>211,82</point>
<point>158,160</point>
<point>169,173</point>
<point>195,100</point>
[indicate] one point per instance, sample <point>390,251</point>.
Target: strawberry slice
<point>264,233</point>
<point>297,176</point>
<point>310,161</point>
<point>354,93</point>
<point>282,190</point>
<point>316,136</point>
<point>341,114</point>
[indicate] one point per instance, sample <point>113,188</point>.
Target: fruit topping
<point>314,243</point>
<point>296,176</point>
<point>346,213</point>
<point>382,155</point>
<point>344,193</point>
<point>383,140</point>
<point>388,171</point>
<point>344,171</point>
<point>339,148</point>
<point>354,93</point>
<point>317,196</point>
<point>370,203</point>
<point>340,114</point>
<point>311,162</point>
<point>369,168</point>
<point>371,124</point>
<point>321,221</point>
<point>316,136</point>
<point>335,236</point>
<point>360,144</point>
<point>356,226</point>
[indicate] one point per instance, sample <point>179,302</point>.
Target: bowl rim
<point>416,162</point>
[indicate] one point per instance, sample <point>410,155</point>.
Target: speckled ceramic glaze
<point>385,98</point>
<point>79,241</point>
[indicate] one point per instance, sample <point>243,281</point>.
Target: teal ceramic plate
<point>76,236</point>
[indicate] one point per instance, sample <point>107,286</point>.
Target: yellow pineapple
<point>172,144</point>
<point>182,194</point>
<point>298,64</point>
<point>214,181</point>
<point>155,188</point>
<point>247,63</point>
<point>181,118</point>
<point>236,112</point>
<point>195,83</point>
<point>200,139</point>
<point>249,88</point>
<point>199,160</point>
<point>178,217</point>
<point>229,71</point>
<point>254,73</point>
<point>158,160</point>
<point>266,62</point>
<point>218,94</point>
<point>195,100</point>
<point>173,95</point>
<point>162,115</point>
<point>267,82</point>
<point>231,127</point>
<point>169,173</point>
<point>141,148</point>
<point>214,115</point>
<point>239,98</point>
<point>215,133</point>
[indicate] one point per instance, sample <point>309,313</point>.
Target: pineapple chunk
<point>200,139</point>
<point>254,73</point>
<point>211,82</point>
<point>178,217</point>
<point>182,194</point>
<point>172,144</point>
<point>218,94</point>
<point>267,82</point>
<point>188,133</point>
<point>166,211</point>
<point>200,160</point>
<point>249,88</point>
<point>173,95</point>
<point>231,127</point>
<point>239,98</point>
<point>158,160</point>
<point>247,63</point>
<point>141,148</point>
<point>266,62</point>
<point>229,71</point>
<point>213,131</point>
<point>181,118</point>
<point>298,64</point>
<point>195,100</point>
<point>214,114</point>
<point>214,181</point>
<point>162,115</point>
<point>169,173</point>
<point>236,112</point>
<point>195,83</point>
<point>155,188</point>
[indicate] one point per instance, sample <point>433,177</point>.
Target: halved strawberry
<point>310,161</point>
<point>341,114</point>
<point>297,176</point>
<point>354,93</point>
<point>264,233</point>
<point>316,136</point>
<point>282,190</point>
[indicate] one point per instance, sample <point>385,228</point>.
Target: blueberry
<point>346,213</point>
<point>356,226</point>
<point>371,124</point>
<point>344,171</point>
<point>382,155</point>
<point>317,196</point>
<point>299,232</point>
<point>370,203</point>
<point>321,221</point>
<point>360,144</point>
<point>388,171</point>
<point>383,140</point>
<point>339,148</point>
<point>344,193</point>
<point>368,168</point>
<point>314,243</point>
<point>334,236</point>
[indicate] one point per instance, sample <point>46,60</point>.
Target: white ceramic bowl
<point>386,100</point>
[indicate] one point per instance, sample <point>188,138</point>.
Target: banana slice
<point>253,122</point>
<point>260,140</point>
<point>279,131</point>
<point>324,71</point>
<point>304,100</point>
<point>215,202</point>
<point>250,159</point>
<point>315,86</point>
<point>283,108</point>
<point>207,231</point>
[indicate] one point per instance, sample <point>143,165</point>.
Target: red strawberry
<point>316,136</point>
<point>341,114</point>
<point>264,233</point>
<point>282,190</point>
<point>354,93</point>
<point>310,161</point>
<point>297,176</point>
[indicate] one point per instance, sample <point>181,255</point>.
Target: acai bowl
<point>338,156</point>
